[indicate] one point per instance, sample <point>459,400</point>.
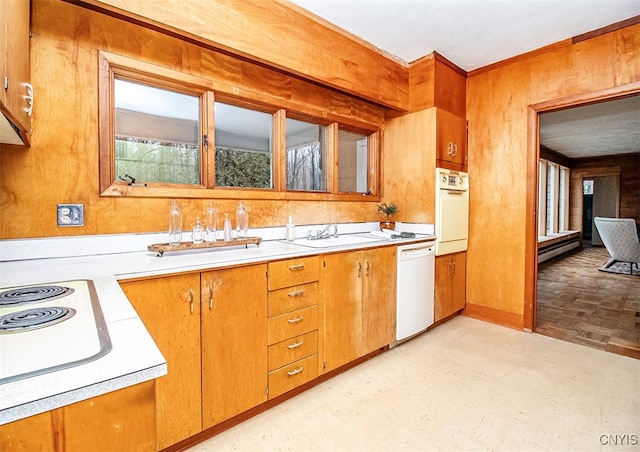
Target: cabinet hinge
<point>324,365</point>
<point>205,142</point>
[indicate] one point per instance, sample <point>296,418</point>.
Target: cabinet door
<point>342,282</point>
<point>170,309</point>
<point>234,341</point>
<point>119,420</point>
<point>30,434</point>
<point>450,280</point>
<point>378,299</point>
<point>451,148</point>
<point>442,292</point>
<point>458,282</point>
<point>14,61</point>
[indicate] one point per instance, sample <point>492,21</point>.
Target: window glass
<point>156,134</point>
<point>243,144</point>
<point>352,162</point>
<point>306,156</point>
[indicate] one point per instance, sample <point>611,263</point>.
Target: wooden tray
<point>161,248</point>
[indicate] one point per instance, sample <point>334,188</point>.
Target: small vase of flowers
<point>388,210</point>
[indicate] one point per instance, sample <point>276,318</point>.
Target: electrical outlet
<point>70,215</point>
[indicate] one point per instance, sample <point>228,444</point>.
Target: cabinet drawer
<point>292,350</point>
<point>293,272</point>
<point>293,375</point>
<point>292,298</point>
<point>292,324</point>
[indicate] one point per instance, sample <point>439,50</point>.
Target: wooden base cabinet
<point>170,309</point>
<point>293,323</point>
<point>359,304</point>
<point>450,284</point>
<point>119,420</point>
<point>211,328</point>
<point>234,337</point>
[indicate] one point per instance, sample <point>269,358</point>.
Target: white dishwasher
<point>415,289</point>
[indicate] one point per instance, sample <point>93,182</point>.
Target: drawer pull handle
<point>295,345</point>
<point>295,371</point>
<point>296,293</point>
<point>296,267</point>
<point>295,319</point>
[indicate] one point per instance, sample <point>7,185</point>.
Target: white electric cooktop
<point>49,327</point>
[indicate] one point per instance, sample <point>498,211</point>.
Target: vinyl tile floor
<point>466,385</point>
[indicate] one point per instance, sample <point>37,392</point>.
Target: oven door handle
<point>455,192</point>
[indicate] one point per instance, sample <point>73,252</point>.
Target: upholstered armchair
<point>620,237</point>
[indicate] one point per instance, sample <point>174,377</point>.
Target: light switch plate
<point>70,215</point>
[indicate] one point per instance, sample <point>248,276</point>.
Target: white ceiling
<point>476,33</point>
<point>607,128</point>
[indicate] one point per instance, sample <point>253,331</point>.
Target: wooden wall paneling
<point>450,87</point>
<point>310,48</point>
<point>421,84</point>
<point>500,163</point>
<point>409,165</point>
<point>62,164</point>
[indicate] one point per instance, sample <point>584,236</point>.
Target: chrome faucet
<point>324,232</point>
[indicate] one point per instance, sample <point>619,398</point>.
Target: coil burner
<point>33,319</point>
<point>32,294</point>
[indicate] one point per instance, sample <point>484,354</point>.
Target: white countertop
<point>134,357</point>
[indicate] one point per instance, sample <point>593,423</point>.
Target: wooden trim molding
<point>604,30</point>
<point>493,315</point>
<point>533,154</point>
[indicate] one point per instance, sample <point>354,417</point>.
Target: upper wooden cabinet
<point>451,141</point>
<point>15,73</point>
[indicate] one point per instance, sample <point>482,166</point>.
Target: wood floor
<point>580,304</point>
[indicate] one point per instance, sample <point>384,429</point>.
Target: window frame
<point>113,66</point>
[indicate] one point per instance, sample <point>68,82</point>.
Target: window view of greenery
<point>352,162</point>
<point>157,134</point>
<point>243,144</point>
<point>306,156</point>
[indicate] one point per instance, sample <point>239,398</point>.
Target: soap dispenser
<point>290,230</point>
<point>242,222</point>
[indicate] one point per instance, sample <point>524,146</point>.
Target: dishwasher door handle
<point>417,252</point>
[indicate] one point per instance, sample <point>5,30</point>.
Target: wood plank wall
<point>61,166</point>
<point>278,34</point>
<point>498,100</point>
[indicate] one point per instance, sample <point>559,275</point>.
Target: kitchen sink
<point>342,240</point>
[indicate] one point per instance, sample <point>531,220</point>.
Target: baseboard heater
<point>547,252</point>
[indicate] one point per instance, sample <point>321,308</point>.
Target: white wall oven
<point>452,211</point>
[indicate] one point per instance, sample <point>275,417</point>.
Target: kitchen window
<point>167,133</point>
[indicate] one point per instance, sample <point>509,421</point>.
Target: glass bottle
<point>242,222</point>
<point>175,224</point>
<point>290,230</point>
<point>211,223</point>
<point>227,228</point>
<point>197,233</point>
